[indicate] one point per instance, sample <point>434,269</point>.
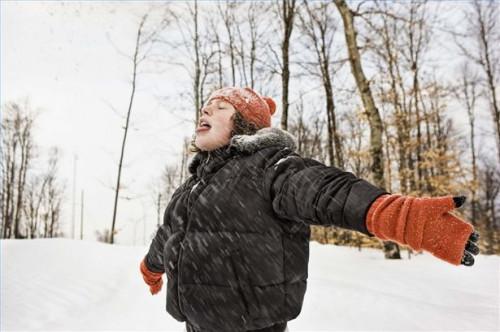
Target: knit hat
<point>253,107</point>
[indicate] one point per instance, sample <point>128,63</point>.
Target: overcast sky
<point>66,58</point>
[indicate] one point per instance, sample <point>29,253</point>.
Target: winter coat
<point>235,236</point>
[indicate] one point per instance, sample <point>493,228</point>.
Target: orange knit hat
<point>253,107</point>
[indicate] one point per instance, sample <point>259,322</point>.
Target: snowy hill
<point>59,284</point>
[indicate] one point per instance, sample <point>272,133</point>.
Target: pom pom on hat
<point>272,105</point>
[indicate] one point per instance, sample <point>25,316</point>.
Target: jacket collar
<point>241,144</point>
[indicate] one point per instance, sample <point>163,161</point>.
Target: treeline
<point>404,95</point>
<point>31,195</point>
<point>376,88</point>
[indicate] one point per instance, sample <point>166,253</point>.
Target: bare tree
<point>319,26</point>
<point>227,13</point>
<point>163,188</point>
<point>200,50</point>
<point>490,185</point>
<point>53,196</point>
<point>103,236</point>
<point>308,131</point>
<point>35,194</point>
<point>286,11</point>
<point>17,147</point>
<point>480,43</point>
<point>398,37</point>
<point>251,32</point>
<point>391,249</point>
<point>363,85</point>
<point>442,153</point>
<point>417,38</point>
<point>357,155</point>
<point>169,180</point>
<point>143,44</point>
<point>384,44</point>
<point>184,160</point>
<point>198,98</point>
<point>217,39</point>
<point>27,198</point>
<point>467,93</point>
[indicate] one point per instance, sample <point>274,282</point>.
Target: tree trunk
<point>132,94</point>
<point>288,18</point>
<point>391,249</point>
<point>376,147</point>
<point>197,66</point>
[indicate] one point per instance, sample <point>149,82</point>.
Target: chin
<point>206,142</point>
<point>207,146</point>
<point>204,146</point>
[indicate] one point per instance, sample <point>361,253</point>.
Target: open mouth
<point>204,126</point>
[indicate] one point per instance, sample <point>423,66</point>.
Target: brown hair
<point>240,127</point>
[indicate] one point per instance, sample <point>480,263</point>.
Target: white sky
<point>66,58</point>
<point>60,56</point>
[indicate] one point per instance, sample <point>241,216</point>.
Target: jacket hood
<point>247,144</point>
<point>263,138</point>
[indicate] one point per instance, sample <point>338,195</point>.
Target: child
<point>234,243</point>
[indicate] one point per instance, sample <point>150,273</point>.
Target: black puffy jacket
<point>235,237</point>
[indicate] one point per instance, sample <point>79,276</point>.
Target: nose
<point>205,110</point>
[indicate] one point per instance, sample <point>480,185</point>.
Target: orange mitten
<point>153,279</point>
<point>421,223</point>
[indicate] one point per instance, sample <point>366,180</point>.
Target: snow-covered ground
<point>59,284</point>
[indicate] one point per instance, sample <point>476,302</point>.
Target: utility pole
<point>75,159</point>
<point>135,230</point>
<point>143,225</point>
<point>81,218</point>
<point>144,230</point>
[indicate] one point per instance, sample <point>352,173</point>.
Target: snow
<point>61,284</point>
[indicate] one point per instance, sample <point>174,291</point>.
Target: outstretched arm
<point>305,190</point>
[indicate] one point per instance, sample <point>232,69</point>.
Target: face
<point>215,125</point>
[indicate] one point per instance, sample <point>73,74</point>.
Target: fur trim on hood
<point>263,138</point>
<point>249,144</point>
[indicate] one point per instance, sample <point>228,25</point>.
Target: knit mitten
<point>421,223</point>
<point>153,279</point>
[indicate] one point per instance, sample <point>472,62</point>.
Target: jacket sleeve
<point>154,257</point>
<point>305,190</point>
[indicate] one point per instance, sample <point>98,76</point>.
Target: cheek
<point>228,127</point>
<point>225,125</point>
